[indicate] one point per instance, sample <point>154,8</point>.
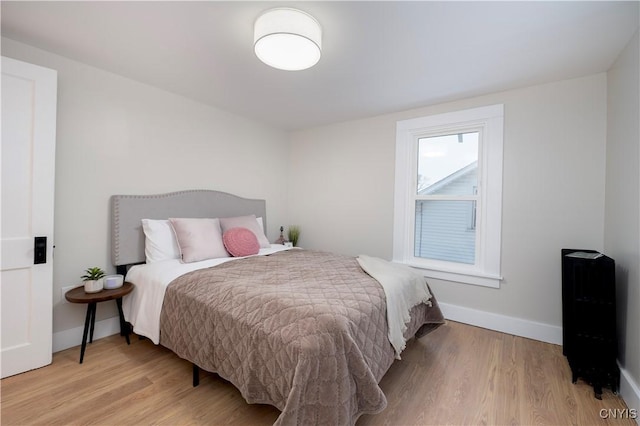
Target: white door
<point>29,96</point>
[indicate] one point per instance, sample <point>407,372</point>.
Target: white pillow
<point>160,241</point>
<point>250,222</point>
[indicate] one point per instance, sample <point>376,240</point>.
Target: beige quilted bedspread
<point>304,331</point>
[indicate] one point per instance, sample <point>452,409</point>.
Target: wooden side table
<point>77,295</point>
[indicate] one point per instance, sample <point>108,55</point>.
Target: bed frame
<point>127,211</point>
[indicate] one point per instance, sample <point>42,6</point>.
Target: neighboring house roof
<point>458,174</point>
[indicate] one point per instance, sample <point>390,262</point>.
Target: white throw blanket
<point>404,288</point>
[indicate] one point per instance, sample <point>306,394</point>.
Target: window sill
<point>466,277</point>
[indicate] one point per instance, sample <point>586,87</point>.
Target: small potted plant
<point>93,280</point>
<point>294,233</point>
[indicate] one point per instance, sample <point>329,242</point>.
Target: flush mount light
<point>287,39</point>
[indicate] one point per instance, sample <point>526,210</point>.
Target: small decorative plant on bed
<point>294,233</point>
<point>93,280</point>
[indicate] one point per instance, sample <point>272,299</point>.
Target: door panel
<point>15,330</point>
<point>28,166</point>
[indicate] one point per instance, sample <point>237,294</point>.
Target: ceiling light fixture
<point>287,39</point>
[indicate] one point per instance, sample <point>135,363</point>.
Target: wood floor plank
<point>458,375</point>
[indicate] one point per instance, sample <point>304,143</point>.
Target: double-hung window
<point>448,195</point>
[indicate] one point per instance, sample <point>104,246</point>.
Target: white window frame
<point>489,121</point>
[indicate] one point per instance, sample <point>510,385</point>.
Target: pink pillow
<point>198,239</point>
<point>241,242</point>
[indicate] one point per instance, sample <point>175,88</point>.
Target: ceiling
<point>378,57</point>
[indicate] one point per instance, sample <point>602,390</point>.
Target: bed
<point>302,330</point>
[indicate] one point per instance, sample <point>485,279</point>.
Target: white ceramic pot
<point>93,286</point>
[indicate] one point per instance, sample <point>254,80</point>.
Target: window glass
<point>444,231</point>
<point>448,164</point>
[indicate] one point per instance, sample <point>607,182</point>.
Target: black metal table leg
<point>93,307</point>
<point>124,329</point>
<point>87,320</point>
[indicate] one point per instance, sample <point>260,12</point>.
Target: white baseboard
<point>510,325</point>
<point>73,337</point>
<point>629,391</point>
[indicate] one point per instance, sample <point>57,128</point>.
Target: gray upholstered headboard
<point>127,211</point>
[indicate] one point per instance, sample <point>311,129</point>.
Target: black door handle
<point>39,250</point>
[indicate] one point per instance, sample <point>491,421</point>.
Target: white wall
<point>341,191</point>
<point>622,207</point>
<point>117,136</point>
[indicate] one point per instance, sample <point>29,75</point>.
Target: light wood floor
<point>458,374</point>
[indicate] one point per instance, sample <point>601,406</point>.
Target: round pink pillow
<point>240,242</point>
